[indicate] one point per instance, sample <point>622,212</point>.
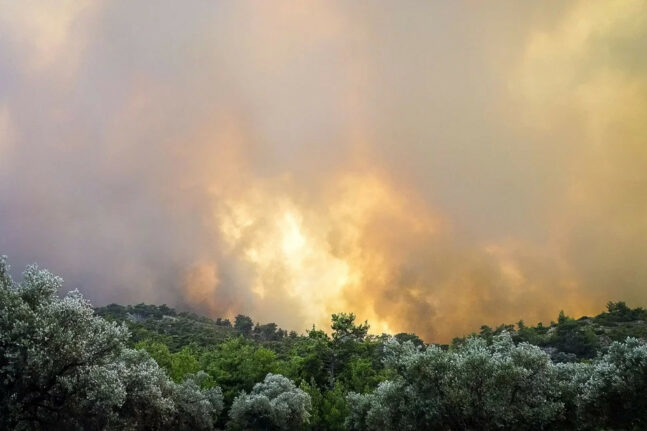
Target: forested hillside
<point>65,366</point>
<point>565,339</point>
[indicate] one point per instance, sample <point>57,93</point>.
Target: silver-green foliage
<point>274,404</point>
<point>614,388</point>
<point>478,386</point>
<point>63,367</point>
<point>504,386</point>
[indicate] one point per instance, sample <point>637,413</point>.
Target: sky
<point>430,166</point>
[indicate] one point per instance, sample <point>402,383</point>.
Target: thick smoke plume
<point>430,166</point>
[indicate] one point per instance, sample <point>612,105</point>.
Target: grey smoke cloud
<point>429,166</point>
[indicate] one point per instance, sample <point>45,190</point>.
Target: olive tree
<point>196,408</point>
<point>63,367</point>
<point>478,386</point>
<point>274,404</point>
<point>613,395</point>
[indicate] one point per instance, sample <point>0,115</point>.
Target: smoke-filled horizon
<point>430,166</point>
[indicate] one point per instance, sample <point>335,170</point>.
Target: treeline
<point>570,340</point>
<point>65,367</point>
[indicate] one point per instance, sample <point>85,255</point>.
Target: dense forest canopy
<point>66,366</point>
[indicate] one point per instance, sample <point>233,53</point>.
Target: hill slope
<point>566,339</point>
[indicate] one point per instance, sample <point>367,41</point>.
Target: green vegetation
<point>145,367</point>
<point>64,368</point>
<point>574,340</point>
<point>274,404</point>
<point>326,367</point>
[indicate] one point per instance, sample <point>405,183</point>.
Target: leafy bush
<point>274,404</point>
<point>64,368</point>
<point>476,386</point>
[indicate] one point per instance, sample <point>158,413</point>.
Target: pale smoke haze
<point>430,166</point>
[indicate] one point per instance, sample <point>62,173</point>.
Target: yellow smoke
<point>359,240</point>
<point>321,254</point>
<point>427,166</point>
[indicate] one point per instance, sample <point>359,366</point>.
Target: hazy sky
<point>431,166</point>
